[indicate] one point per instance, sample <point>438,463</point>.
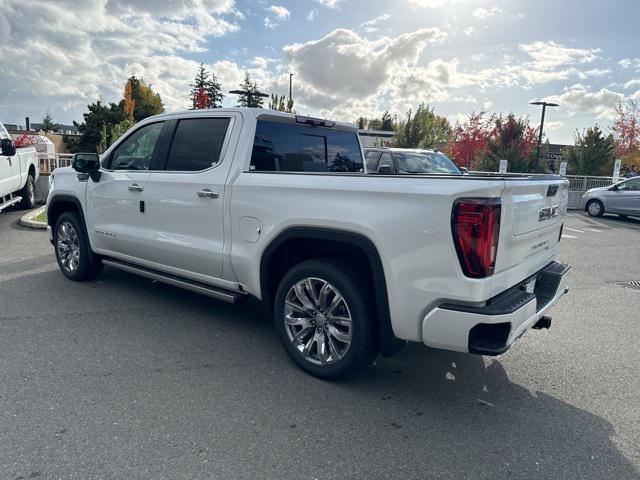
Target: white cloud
<point>375,21</point>
<point>581,100</point>
<point>548,55</point>
<point>330,3</point>
<point>483,13</point>
<point>343,65</point>
<point>432,3</point>
<point>312,14</point>
<point>71,53</point>
<point>469,31</point>
<point>280,12</point>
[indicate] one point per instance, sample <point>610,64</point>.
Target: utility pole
<point>544,109</point>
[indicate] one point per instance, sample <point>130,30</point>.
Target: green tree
<point>514,140</point>
<point>593,153</point>
<point>424,129</point>
<point>146,101</point>
<point>95,130</point>
<point>206,82</point>
<point>47,123</point>
<point>386,122</point>
<point>362,123</point>
<point>249,98</point>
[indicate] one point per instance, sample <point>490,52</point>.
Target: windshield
<point>425,162</point>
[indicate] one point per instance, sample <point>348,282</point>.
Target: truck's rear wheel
<point>28,194</point>
<point>325,318</point>
<point>73,252</point>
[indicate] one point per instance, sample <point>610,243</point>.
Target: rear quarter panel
<point>408,219</point>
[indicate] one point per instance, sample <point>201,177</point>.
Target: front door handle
<point>135,188</point>
<point>207,193</point>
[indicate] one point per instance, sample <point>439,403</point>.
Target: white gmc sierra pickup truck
<point>235,203</point>
<point>18,173</point>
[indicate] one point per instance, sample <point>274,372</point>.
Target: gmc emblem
<point>547,213</point>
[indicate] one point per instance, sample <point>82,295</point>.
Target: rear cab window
<point>293,147</point>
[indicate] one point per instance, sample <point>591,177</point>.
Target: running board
<point>192,285</point>
<point>9,202</point>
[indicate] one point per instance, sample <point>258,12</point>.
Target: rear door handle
<point>207,193</point>
<point>135,188</point>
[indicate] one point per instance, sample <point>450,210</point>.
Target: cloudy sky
<point>349,57</point>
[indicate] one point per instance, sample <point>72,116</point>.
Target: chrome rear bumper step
<point>192,285</point>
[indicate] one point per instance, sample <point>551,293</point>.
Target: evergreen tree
<point>387,122</point>
<point>249,98</point>
<point>95,130</point>
<point>205,90</point>
<point>593,153</point>
<point>47,123</point>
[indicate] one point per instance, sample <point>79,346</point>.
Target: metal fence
<point>50,161</point>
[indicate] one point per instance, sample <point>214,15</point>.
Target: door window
<point>197,144</point>
<point>630,185</point>
<point>136,151</point>
<point>371,158</point>
<point>386,161</point>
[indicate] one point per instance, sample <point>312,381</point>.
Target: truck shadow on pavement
<point>421,414</point>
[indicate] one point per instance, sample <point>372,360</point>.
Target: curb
<point>26,221</point>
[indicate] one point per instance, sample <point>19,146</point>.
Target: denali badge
<point>547,213</point>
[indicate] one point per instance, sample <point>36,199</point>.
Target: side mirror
<point>87,163</point>
<point>614,188</point>
<point>8,148</point>
<point>384,169</point>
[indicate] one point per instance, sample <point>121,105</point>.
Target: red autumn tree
<point>626,131</point>
<point>469,139</point>
<point>201,99</point>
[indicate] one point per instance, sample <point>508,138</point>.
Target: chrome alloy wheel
<point>31,192</point>
<point>594,208</point>
<point>68,245</point>
<point>318,321</point>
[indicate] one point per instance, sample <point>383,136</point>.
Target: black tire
<point>592,209</point>
<point>85,265</point>
<point>347,280</point>
<point>28,194</point>
<point>623,217</point>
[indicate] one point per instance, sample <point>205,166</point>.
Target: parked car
<point>239,203</point>
<point>409,161</point>
<point>18,173</point>
<point>622,198</point>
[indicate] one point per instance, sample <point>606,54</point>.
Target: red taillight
<point>475,224</point>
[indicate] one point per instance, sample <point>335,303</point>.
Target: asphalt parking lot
<point>127,379</point>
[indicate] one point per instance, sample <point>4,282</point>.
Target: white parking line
<point>573,230</point>
<point>592,230</point>
<point>564,235</point>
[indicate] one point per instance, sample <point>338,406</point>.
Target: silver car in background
<point>622,198</point>
<point>414,161</point>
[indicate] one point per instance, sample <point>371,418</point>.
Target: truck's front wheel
<point>73,252</point>
<point>325,318</point>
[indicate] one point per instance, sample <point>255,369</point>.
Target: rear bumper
<point>492,328</point>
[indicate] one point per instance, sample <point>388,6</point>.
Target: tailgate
<point>533,211</point>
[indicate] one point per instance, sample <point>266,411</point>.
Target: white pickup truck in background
<point>18,173</point>
<point>238,203</point>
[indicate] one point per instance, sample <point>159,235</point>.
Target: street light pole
<point>544,109</point>
<point>290,84</point>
